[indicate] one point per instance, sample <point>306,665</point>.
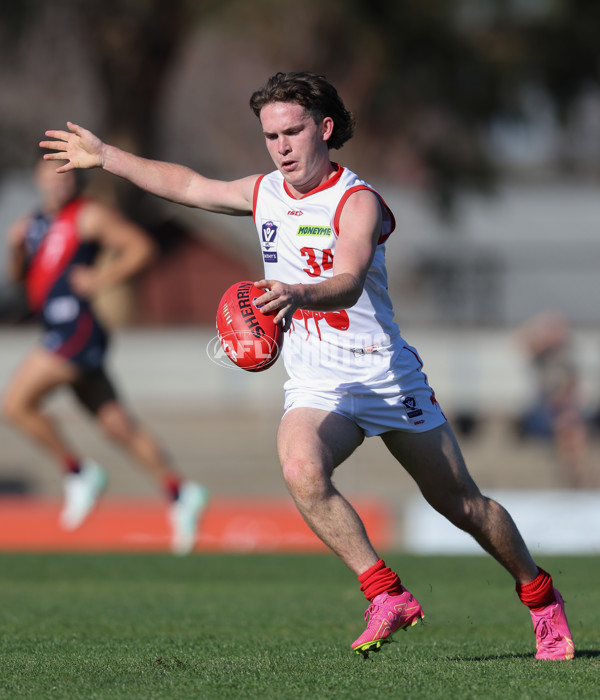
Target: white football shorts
<point>402,401</point>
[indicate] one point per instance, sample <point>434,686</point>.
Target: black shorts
<point>93,389</point>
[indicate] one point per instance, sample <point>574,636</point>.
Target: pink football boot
<point>386,614</point>
<point>552,634</point>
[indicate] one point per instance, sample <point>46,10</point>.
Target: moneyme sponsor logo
<point>307,230</point>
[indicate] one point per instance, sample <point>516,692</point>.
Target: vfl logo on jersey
<point>268,236</point>
<point>307,230</point>
<point>412,409</point>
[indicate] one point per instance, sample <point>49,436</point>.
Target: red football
<point>249,338</point>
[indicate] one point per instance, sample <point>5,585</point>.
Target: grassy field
<point>278,626</point>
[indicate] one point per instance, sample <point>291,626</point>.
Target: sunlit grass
<point>275,626</point>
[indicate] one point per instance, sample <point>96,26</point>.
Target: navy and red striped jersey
<point>53,246</point>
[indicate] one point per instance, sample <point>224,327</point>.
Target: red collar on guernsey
<point>330,182</point>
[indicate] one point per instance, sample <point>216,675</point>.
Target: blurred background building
<point>478,120</point>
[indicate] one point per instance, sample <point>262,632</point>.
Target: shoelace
<point>546,633</point>
<point>371,610</point>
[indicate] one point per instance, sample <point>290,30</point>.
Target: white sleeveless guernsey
<point>334,349</point>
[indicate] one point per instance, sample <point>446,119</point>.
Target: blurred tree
<point>132,43</point>
<point>426,79</point>
<point>564,50</point>
<point>434,76</point>
<point>129,45</point>
<point>432,88</point>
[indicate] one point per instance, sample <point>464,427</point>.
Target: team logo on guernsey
<point>308,230</point>
<point>268,235</point>
<point>412,409</point>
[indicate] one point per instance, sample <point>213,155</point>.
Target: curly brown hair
<point>313,92</point>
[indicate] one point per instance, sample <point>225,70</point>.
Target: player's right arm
<point>177,183</point>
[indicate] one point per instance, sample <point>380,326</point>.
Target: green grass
<point>278,626</point>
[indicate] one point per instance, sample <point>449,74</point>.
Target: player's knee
<point>6,409</point>
<point>305,480</point>
<point>462,511</point>
<point>116,426</point>
<point>463,515</point>
<point>12,409</point>
<point>117,433</point>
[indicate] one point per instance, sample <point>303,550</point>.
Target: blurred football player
<point>558,409</point>
<point>52,252</point>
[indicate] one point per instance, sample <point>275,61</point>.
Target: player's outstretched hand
<point>78,146</point>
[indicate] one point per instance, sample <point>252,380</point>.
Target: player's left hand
<point>281,299</point>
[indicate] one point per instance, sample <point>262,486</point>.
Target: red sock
<point>71,465</point>
<point>537,593</point>
<point>172,485</point>
<point>379,579</point>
